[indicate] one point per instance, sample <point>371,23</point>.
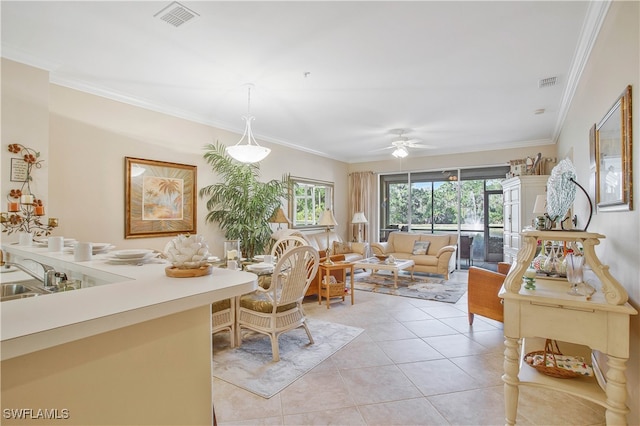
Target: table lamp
<point>279,217</point>
<point>327,219</point>
<point>358,219</point>
<point>540,209</point>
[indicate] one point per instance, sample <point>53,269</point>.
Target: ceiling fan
<point>401,143</point>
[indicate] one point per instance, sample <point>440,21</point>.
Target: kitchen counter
<point>134,294</point>
<point>130,327</point>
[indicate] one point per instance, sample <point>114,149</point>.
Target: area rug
<point>251,366</point>
<point>423,286</point>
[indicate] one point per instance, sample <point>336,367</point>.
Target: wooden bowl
<point>381,257</point>
<point>174,272</point>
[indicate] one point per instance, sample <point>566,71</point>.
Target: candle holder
<point>232,253</point>
<point>25,211</point>
<point>529,278</point>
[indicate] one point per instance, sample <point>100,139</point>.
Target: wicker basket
<point>336,289</point>
<point>550,349</point>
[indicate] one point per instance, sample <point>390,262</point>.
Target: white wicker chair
<point>287,243</point>
<point>223,318</point>
<point>279,248</point>
<point>278,309</point>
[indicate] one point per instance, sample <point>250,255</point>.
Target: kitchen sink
<point>21,290</point>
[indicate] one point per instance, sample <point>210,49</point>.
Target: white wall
<point>613,64</point>
<point>25,120</point>
<point>89,138</point>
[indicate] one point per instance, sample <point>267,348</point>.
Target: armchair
<point>482,294</point>
<point>278,309</point>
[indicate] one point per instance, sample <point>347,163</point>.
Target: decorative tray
<point>174,272</point>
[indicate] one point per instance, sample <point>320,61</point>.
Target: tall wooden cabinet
<point>519,194</point>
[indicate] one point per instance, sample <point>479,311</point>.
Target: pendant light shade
<point>251,152</point>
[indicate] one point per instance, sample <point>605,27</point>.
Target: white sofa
<point>440,257</point>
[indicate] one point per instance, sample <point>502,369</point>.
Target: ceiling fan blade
<point>420,146</point>
<point>383,149</point>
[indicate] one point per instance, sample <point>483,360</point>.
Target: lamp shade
<point>279,217</point>
<point>540,207</point>
<point>327,219</point>
<point>359,217</point>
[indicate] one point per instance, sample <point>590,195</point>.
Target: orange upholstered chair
<point>482,293</point>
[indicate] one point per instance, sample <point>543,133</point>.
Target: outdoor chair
<point>278,309</point>
<point>466,243</point>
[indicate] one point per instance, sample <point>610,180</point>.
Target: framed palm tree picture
<point>160,198</point>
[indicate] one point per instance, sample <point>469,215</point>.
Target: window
<point>468,201</point>
<point>308,199</point>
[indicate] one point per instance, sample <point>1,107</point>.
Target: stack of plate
<point>68,242</point>
<point>97,248</point>
<point>131,256</point>
<point>260,267</point>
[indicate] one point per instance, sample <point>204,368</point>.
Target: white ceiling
<point>463,76</point>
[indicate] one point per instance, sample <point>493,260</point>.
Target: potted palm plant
<point>241,204</point>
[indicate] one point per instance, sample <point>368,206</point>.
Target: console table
<point>601,323</point>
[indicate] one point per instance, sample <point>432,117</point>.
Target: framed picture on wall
<point>592,168</point>
<point>613,156</point>
<point>160,198</point>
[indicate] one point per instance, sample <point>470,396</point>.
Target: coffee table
<point>375,264</point>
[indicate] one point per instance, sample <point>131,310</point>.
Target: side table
<point>325,269</point>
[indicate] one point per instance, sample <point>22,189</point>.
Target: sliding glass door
<point>464,201</point>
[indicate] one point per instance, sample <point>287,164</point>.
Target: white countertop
<point>135,294</point>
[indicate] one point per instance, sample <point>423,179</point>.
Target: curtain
<point>361,199</point>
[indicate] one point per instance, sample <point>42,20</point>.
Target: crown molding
<point>596,14</point>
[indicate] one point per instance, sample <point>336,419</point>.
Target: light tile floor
<point>417,363</point>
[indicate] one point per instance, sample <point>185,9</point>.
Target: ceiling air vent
<point>547,82</point>
<point>176,14</point>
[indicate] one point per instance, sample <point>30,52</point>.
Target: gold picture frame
<point>613,157</point>
<point>160,198</point>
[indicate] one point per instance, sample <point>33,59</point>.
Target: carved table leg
<point>616,391</point>
<point>510,379</point>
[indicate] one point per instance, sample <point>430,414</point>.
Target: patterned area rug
<point>251,367</point>
<point>423,286</point>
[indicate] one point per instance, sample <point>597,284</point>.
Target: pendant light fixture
<point>250,152</point>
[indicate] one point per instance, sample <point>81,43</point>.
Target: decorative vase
<point>575,265</point>
<point>538,261</point>
<point>549,264</point>
<point>561,266</point>
<point>25,238</point>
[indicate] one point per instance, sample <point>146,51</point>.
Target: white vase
<point>25,238</point>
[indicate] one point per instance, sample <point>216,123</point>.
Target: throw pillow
<point>341,248</point>
<point>420,247</point>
